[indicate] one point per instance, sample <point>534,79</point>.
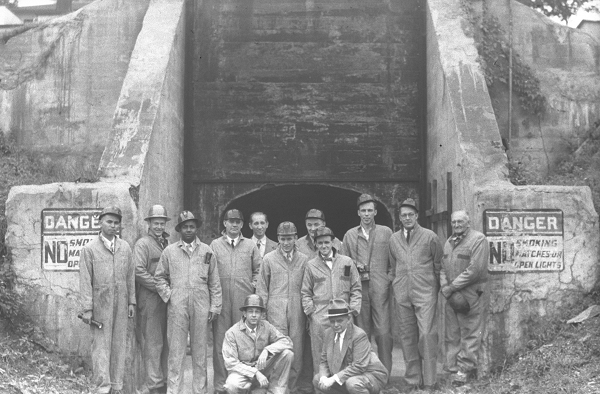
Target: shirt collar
<point>263,240</point>
<point>110,245</point>
<point>229,239</point>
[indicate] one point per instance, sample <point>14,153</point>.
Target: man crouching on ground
<point>256,354</point>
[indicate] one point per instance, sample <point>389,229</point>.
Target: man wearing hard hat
<point>152,310</point>
<point>107,293</point>
<point>279,285</point>
<point>187,279</point>
<point>369,246</point>
<point>239,261</point>
<point>314,219</point>
<point>327,276</point>
<point>256,353</point>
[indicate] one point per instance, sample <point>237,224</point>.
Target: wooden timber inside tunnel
<point>296,104</point>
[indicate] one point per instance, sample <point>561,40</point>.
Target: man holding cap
<point>348,364</point>
<point>239,261</point>
<point>152,310</point>
<point>314,219</point>
<point>187,279</point>
<point>415,257</point>
<point>107,293</point>
<point>464,277</point>
<point>369,246</point>
<point>279,285</point>
<point>256,354</point>
<point>327,276</point>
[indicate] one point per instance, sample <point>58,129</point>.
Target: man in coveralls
<point>415,256</point>
<point>187,279</point>
<point>314,219</point>
<point>259,224</point>
<point>464,272</point>
<point>107,291</point>
<point>256,354</point>
<point>369,246</point>
<point>327,276</point>
<point>279,285</point>
<point>152,310</point>
<point>239,261</point>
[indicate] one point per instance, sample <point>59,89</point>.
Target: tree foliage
<point>564,9</point>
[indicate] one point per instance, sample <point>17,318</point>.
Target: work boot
<point>459,379</point>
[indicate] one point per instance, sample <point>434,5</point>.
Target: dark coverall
<point>319,286</point>
<point>107,288</point>
<point>189,284</point>
<point>238,271</point>
<point>374,317</point>
<point>465,269</point>
<point>279,284</point>
<point>416,270</point>
<point>152,311</point>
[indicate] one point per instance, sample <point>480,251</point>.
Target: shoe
<point>221,391</point>
<point>459,379</point>
<point>430,388</point>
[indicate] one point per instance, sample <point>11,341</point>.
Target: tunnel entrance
<point>291,202</point>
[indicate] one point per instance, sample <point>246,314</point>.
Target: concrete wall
<point>60,81</point>
<point>567,63</point>
<point>463,138</point>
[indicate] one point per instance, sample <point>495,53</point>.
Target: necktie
<point>233,243</point>
<point>189,248</point>
<point>407,236</point>
<point>337,354</point>
<point>289,257</point>
<point>253,334</point>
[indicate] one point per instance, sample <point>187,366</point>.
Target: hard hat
<point>185,216</point>
<point>365,198</point>
<point>337,307</point>
<point>253,301</point>
<point>409,202</point>
<point>286,228</point>
<point>157,212</point>
<point>233,214</point>
<point>459,303</point>
<point>111,211</point>
<point>315,214</point>
<point>323,232</point>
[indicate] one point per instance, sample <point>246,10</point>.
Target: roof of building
<point>7,18</point>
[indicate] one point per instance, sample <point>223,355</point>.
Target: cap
<point>111,211</point>
<point>459,303</point>
<point>286,228</point>
<point>365,198</point>
<point>315,214</point>
<point>324,231</point>
<point>409,202</point>
<point>233,214</point>
<point>253,301</point>
<point>337,307</point>
<point>185,216</point>
<point>157,212</point>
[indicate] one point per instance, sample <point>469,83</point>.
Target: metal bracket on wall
<point>435,219</point>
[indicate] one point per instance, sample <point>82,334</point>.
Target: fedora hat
<point>337,307</point>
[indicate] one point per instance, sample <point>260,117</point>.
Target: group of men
<point>289,312</point>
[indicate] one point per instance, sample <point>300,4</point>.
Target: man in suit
<point>259,223</point>
<point>348,364</point>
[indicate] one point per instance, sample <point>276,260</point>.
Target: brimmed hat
<point>315,214</point>
<point>337,307</point>
<point>253,301</point>
<point>286,228</point>
<point>233,214</point>
<point>459,303</point>
<point>365,198</point>
<point>157,212</point>
<point>185,216</point>
<point>409,202</point>
<point>111,211</point>
<point>324,231</point>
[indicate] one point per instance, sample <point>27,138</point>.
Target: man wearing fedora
<point>279,285</point>
<point>107,293</point>
<point>256,353</point>
<point>463,279</point>
<point>347,363</point>
<point>415,257</point>
<point>239,262</point>
<point>369,246</point>
<point>187,279</point>
<point>314,219</point>
<point>327,276</point>
<point>152,310</point>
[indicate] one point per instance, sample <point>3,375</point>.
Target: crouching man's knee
<point>237,383</point>
<point>359,384</point>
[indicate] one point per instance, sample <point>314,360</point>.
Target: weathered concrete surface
<point>567,63</point>
<point>146,141</point>
<point>463,138</point>
<point>59,82</point>
<point>53,297</point>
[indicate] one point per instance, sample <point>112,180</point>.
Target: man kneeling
<point>256,354</point>
<point>348,364</point>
